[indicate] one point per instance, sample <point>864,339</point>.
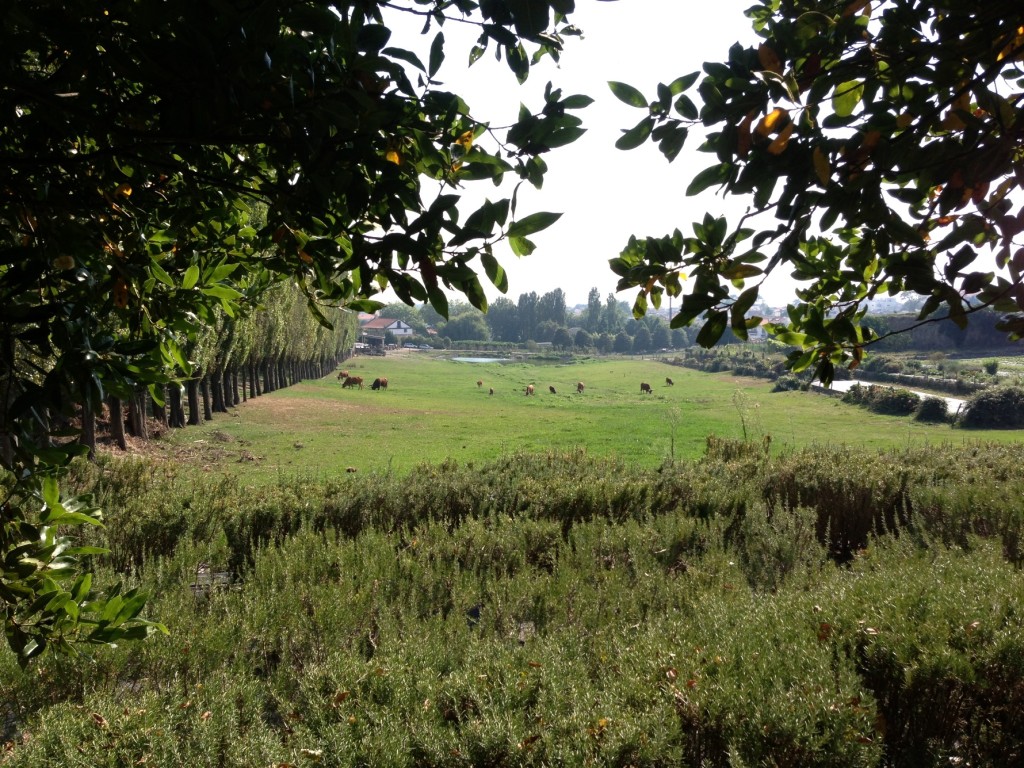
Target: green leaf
<point>846,97</point>
<point>404,55</point>
<point>191,277</point>
<point>576,102</point>
<point>521,246</point>
<point>221,272</point>
<point>51,491</point>
<point>628,94</point>
<point>741,271</point>
<point>535,222</point>
<point>636,135</point>
<point>80,590</point>
<point>713,329</point>
<point>681,84</point>
<point>160,274</point>
<point>221,292</point>
<point>76,551</point>
<point>495,272</point>
<point>709,177</point>
<point>436,54</point>
<point>685,107</point>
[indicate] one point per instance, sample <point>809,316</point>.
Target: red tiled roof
<point>380,322</point>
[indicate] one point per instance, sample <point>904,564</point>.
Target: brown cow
<point>553,392</point>
<point>579,387</point>
<point>492,391</point>
<point>645,387</point>
<point>379,383</point>
<point>342,375</point>
<point>669,381</point>
<point>529,389</point>
<point>352,381</point>
<point>479,382</point>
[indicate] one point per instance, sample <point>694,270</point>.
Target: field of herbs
<point>824,606</point>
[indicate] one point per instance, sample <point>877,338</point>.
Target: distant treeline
<point>603,326</point>
<point>942,335</point>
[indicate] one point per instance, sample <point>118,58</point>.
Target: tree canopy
<point>163,163</point>
<point>883,144</point>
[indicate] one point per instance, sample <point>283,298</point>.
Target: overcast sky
<point>605,194</point>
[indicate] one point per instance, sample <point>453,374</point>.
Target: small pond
<point>479,360</point>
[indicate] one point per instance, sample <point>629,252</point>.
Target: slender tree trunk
<point>117,422</point>
<point>267,387</point>
<point>88,437</point>
<point>215,381</point>
<point>137,415</point>
<point>177,420</point>
<point>244,381</point>
<point>204,390</point>
<point>192,388</point>
<point>235,399</point>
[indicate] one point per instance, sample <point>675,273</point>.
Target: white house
<point>378,326</point>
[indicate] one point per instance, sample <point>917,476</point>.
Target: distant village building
<point>378,326</point>
<point>373,330</point>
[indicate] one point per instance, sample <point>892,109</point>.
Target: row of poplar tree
<point>234,359</point>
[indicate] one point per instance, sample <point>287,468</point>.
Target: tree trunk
<point>116,409</point>
<point>216,384</point>
<point>137,415</point>
<point>177,420</point>
<point>204,390</point>
<point>235,400</point>
<point>88,436</point>
<point>192,388</point>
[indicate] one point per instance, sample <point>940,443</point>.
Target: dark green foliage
<point>166,167</point>
<point>999,408</point>
<point>787,384</point>
<point>884,125</point>
<point>932,409</point>
<point>889,401</point>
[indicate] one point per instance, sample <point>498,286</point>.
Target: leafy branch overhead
<point>885,142</point>
<point>164,165</point>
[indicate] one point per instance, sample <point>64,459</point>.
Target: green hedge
<point>827,607</point>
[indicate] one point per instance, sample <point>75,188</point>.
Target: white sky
<point>604,193</point>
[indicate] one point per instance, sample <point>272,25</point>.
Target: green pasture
<point>433,411</point>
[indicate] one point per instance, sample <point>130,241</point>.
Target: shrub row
<point>553,609</point>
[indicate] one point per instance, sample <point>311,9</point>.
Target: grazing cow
<point>552,390</point>
<point>645,388</point>
<point>579,387</point>
<point>342,375</point>
<point>479,382</point>
<point>352,381</point>
<point>380,383</point>
<point>492,391</point>
<point>669,381</point>
<point>529,389</point>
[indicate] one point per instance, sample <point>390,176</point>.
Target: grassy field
<point>433,410</point>
<point>559,594</point>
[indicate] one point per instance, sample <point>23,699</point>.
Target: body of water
<point>478,360</point>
